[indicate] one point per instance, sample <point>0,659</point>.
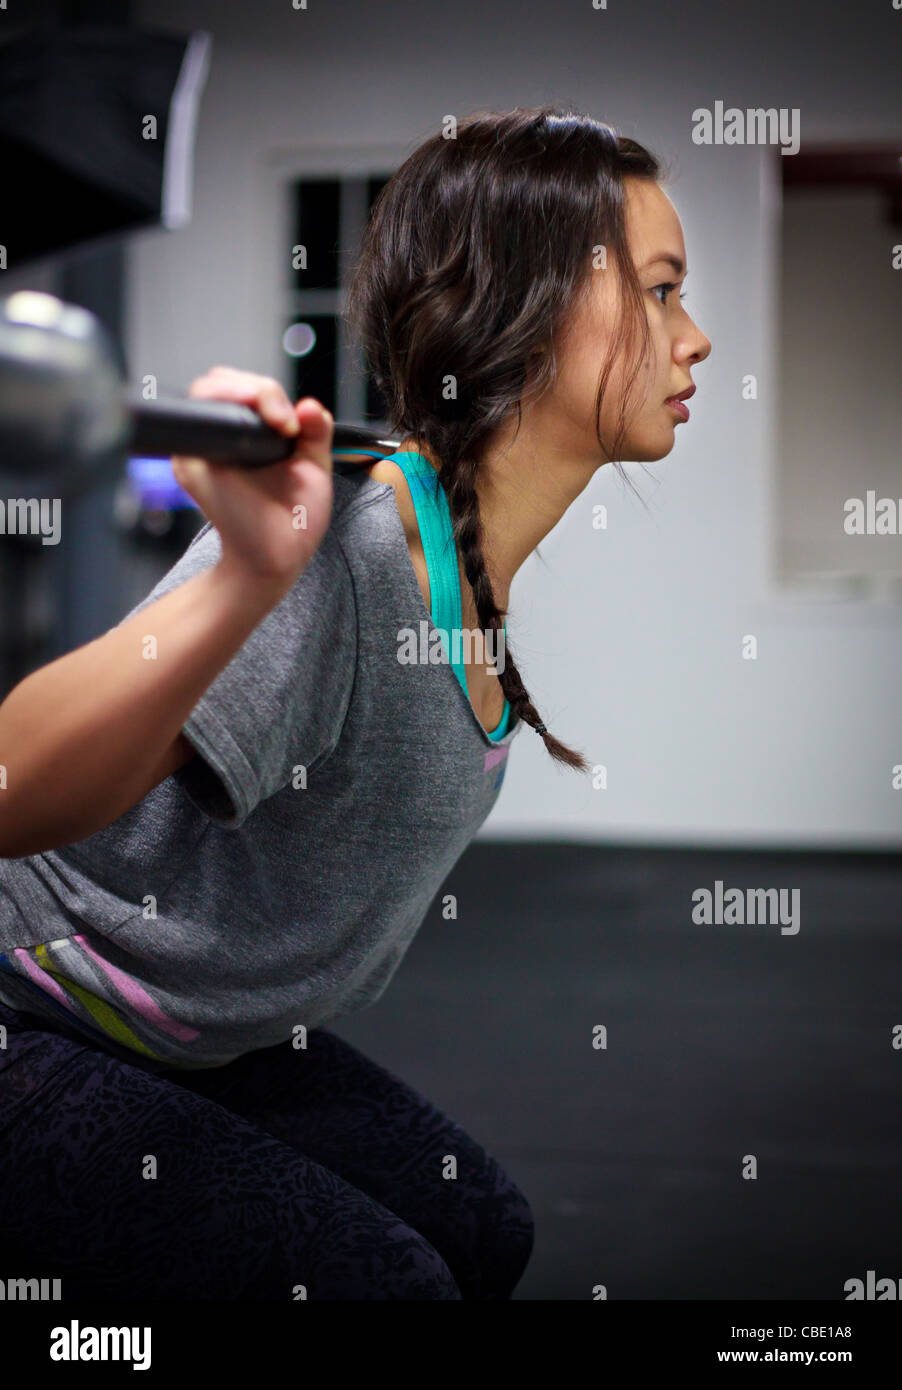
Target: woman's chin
<point>651,448</point>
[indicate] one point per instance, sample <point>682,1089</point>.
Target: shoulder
<point>378,523</point>
<point>352,490</point>
<point>384,482</point>
<point>363,504</point>
<point>361,531</point>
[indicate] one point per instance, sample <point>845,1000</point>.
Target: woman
<point>225,819</point>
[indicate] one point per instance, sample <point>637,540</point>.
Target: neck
<point>524,487</point>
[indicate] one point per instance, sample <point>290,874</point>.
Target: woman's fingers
<point>308,420</point>
<point>266,395</point>
<point>316,426</point>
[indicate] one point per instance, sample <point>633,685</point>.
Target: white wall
<point>630,638</point>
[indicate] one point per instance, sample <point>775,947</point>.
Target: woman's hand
<point>271,519</point>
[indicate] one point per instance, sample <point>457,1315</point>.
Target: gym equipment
<point>67,419</point>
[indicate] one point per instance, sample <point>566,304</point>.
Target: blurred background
<point>728,659</point>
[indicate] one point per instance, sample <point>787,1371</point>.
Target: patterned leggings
<point>285,1168</point>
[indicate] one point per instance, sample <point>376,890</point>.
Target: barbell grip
<point>223,431</point>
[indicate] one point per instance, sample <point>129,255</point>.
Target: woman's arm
<point>89,735</point>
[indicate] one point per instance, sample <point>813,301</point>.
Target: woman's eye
<point>666,286</point>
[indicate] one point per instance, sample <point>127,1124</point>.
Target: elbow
<point>15,842</point>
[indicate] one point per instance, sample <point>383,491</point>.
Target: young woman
<point>225,819</point>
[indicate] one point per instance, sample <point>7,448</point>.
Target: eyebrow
<point>671,260</point>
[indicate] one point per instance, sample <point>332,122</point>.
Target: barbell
<point>67,419</point>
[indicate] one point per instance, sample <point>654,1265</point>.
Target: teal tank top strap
<point>437,533</point>
<point>437,536</point>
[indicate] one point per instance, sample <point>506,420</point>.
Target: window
<point>839,419</point>
<point>328,214</point>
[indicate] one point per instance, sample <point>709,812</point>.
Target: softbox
<point>96,134</point>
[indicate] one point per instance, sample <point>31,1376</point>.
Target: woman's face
<point>676,344</point>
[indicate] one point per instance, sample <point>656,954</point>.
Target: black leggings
<point>289,1173</point>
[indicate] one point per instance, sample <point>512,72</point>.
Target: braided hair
<point>476,250</point>
<point>459,483</point>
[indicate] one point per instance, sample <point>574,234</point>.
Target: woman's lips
<point>680,407</point>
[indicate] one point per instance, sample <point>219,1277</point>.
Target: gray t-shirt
<point>233,902</point>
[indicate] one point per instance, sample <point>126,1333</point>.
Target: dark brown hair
<point>476,251</point>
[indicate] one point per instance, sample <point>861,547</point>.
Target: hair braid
<point>459,483</point>
<point>478,250</point>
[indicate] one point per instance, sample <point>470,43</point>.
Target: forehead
<point>652,225</point>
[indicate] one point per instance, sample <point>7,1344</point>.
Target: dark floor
<point>722,1041</point>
